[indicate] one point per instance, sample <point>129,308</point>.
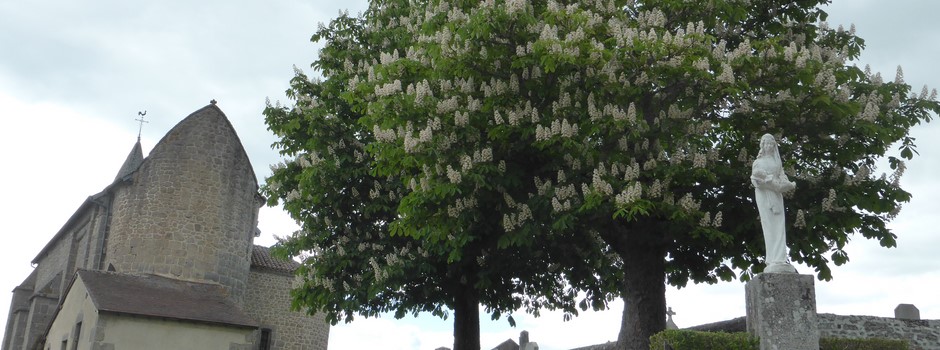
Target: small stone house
<point>163,258</point>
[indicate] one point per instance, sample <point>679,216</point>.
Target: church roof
<point>161,297</point>
<point>76,216</point>
<point>132,162</point>
<point>261,258</point>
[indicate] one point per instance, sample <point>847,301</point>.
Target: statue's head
<point>768,144</point>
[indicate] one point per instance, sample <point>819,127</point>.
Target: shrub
<point>687,340</point>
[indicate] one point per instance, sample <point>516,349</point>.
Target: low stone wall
<point>922,334</point>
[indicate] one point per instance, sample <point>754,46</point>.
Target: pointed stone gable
<point>206,128</point>
<point>190,209</point>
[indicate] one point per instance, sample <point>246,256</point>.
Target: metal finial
<point>142,121</point>
<point>212,101</point>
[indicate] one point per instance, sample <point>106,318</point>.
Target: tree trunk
<point>466,319</point>
<point>644,290</point>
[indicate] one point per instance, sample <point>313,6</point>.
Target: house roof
<point>261,258</point>
<point>161,297</point>
<point>509,344</point>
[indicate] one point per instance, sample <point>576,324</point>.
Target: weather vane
<point>142,121</point>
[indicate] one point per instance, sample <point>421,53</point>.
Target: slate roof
<point>261,258</point>
<point>161,297</point>
<point>132,162</point>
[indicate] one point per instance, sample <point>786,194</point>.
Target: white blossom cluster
<point>520,213</point>
<point>829,203</point>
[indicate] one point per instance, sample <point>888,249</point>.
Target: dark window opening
<point>77,335</point>
<point>265,343</point>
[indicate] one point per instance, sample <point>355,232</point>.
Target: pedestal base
<point>781,310</point>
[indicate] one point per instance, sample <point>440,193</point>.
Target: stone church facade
<point>165,253</point>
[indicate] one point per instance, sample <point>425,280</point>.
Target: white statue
<point>769,185</point>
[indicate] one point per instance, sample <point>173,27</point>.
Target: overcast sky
<point>74,74</point>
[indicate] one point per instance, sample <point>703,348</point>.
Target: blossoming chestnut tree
<point>522,155</point>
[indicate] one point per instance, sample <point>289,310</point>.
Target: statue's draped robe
<point>769,197</point>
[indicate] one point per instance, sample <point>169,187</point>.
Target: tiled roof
<point>155,296</point>
<point>261,258</point>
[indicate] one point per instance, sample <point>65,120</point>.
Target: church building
<point>163,258</point>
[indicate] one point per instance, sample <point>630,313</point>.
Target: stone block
<point>906,312</point>
<point>781,311</point>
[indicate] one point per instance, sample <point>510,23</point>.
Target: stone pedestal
<point>781,310</point>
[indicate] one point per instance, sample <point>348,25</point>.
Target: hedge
<point>687,340</point>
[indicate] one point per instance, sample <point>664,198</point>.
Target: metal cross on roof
<point>669,312</point>
<point>142,121</point>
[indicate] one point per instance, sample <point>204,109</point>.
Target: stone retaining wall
<point>922,334</point>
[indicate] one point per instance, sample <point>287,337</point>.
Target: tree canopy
<point>515,153</point>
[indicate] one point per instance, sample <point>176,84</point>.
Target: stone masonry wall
<point>16,320</point>
<point>191,208</point>
<point>40,315</point>
<point>50,267</point>
<point>268,301</point>
<point>89,255</point>
<point>17,335</point>
<point>922,334</point>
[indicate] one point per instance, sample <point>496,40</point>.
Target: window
<point>76,335</point>
<point>265,342</point>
